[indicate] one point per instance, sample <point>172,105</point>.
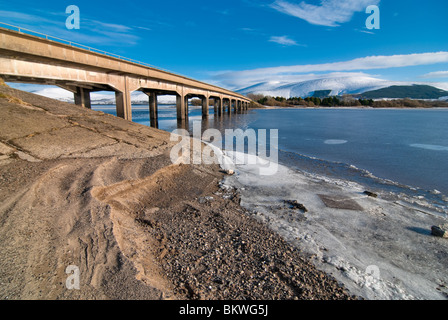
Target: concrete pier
<point>82,97</point>
<point>205,107</point>
<point>182,107</point>
<point>153,109</point>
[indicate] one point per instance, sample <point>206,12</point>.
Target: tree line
<point>344,101</point>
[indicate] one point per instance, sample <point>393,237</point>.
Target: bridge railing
<point>78,45</point>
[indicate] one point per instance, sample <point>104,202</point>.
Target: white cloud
<point>364,31</point>
<point>143,28</point>
<point>436,74</point>
<point>91,32</point>
<point>13,17</point>
<point>110,26</point>
<point>284,40</point>
<point>365,63</point>
<point>239,79</point>
<point>330,13</point>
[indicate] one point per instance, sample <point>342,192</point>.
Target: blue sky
<point>237,43</point>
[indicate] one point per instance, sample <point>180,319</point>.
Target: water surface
<point>399,151</point>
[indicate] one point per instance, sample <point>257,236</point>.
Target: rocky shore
<point>82,188</point>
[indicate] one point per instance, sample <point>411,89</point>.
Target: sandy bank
<point>81,188</point>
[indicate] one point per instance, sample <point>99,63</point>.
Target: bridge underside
<point>81,80</point>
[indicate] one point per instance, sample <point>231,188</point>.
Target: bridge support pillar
<point>123,88</point>
<point>218,103</point>
<point>215,106</point>
<point>82,97</point>
<point>205,107</point>
<point>153,109</point>
<point>182,107</point>
<point>123,105</point>
<point>186,107</point>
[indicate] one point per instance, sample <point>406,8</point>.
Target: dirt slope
<point>82,188</point>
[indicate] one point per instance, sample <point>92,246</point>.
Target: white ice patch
<point>334,141</point>
<point>430,147</point>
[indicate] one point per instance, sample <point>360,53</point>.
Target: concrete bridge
<point>46,60</point>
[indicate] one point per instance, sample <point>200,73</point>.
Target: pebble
<point>440,231</point>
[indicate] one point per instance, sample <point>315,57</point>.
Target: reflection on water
<point>220,122</point>
<point>167,118</point>
<point>398,151</point>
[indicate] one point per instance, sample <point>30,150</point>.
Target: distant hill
<point>401,92</point>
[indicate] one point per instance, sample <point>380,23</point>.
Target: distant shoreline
<point>352,108</point>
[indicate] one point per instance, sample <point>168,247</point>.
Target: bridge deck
<point>29,58</point>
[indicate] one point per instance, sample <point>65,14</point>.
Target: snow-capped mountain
<point>337,86</point>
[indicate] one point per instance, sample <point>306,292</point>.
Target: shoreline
<point>349,108</point>
<point>383,185</point>
<point>107,199</point>
<point>353,234</point>
<point>82,188</point>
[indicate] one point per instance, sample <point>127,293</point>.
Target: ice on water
<point>389,237</point>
